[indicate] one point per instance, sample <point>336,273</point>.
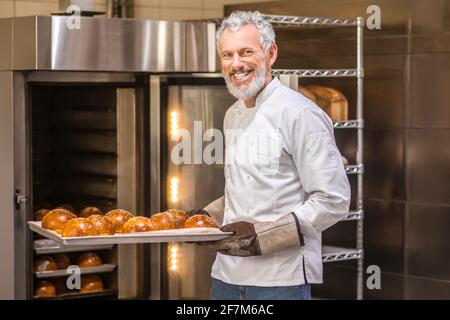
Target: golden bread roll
<point>91,283</point>
<point>60,285</point>
<point>332,101</point>
<point>40,214</point>
<point>79,227</point>
<point>68,207</point>
<point>45,263</point>
<point>90,211</point>
<point>178,214</point>
<point>45,288</point>
<point>164,221</point>
<point>56,219</point>
<point>62,260</point>
<point>89,260</point>
<point>200,221</point>
<point>118,217</point>
<point>103,225</point>
<point>138,224</point>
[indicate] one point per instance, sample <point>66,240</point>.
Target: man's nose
<point>237,62</point>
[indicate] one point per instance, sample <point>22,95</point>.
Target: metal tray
<point>80,295</point>
<point>62,272</point>
<point>175,235</point>
<point>47,246</point>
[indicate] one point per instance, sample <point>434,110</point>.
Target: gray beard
<point>253,88</point>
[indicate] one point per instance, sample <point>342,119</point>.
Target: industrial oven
<point>85,120</point>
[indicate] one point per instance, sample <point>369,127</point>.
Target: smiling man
<point>294,186</point>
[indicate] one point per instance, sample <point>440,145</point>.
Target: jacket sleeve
<point>216,209</point>
<point>321,172</point>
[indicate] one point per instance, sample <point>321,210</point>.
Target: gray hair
<point>239,19</point>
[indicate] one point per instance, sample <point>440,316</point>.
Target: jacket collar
<point>267,91</point>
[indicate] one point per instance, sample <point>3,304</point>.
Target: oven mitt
<point>260,238</point>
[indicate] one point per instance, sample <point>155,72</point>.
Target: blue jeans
<point>224,291</point>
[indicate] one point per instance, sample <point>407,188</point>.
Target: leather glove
<point>260,238</point>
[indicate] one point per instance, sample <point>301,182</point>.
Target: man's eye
<point>248,52</point>
<point>226,55</point>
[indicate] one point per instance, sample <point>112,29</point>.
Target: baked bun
<point>91,283</point>
<point>200,221</point>
<point>62,260</point>
<point>89,260</point>
<point>89,211</point>
<point>68,207</point>
<point>60,285</point>
<point>164,221</point>
<point>118,217</point>
<point>332,101</point>
<point>181,215</point>
<point>40,214</point>
<point>56,219</point>
<point>138,224</point>
<point>103,225</point>
<point>45,263</point>
<point>45,288</point>
<point>79,227</point>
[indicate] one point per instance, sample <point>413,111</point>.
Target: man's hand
<point>260,238</point>
<point>243,243</point>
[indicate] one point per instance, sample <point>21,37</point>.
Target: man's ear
<point>273,53</point>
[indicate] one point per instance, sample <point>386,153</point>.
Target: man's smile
<point>242,77</point>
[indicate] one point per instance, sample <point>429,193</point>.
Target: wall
<point>144,9</point>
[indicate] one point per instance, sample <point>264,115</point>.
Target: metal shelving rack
<point>290,78</point>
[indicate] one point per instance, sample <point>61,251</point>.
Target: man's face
<point>245,65</point>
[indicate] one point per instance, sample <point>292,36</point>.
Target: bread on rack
<point>40,214</point>
<point>62,260</point>
<point>56,219</point>
<point>89,211</point>
<point>45,263</point>
<point>45,288</point>
<point>138,224</point>
<point>200,221</point>
<point>331,100</point>
<point>89,260</point>
<point>68,207</point>
<point>165,221</point>
<point>79,227</point>
<point>103,225</point>
<point>118,217</point>
<point>91,283</point>
<point>308,94</point>
<point>60,285</point>
<point>181,215</point>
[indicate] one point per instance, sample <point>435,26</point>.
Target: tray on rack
<point>62,272</point>
<point>175,235</point>
<point>48,246</point>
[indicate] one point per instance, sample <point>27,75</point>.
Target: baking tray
<point>62,272</point>
<point>48,246</point>
<point>175,235</point>
<point>80,295</point>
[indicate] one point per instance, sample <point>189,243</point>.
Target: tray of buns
<point>158,236</point>
<point>120,226</point>
<point>63,272</point>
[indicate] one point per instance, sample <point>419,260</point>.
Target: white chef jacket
<point>291,164</point>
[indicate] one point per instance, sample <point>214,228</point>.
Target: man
<point>285,181</point>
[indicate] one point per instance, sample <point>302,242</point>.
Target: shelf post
<point>359,154</point>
